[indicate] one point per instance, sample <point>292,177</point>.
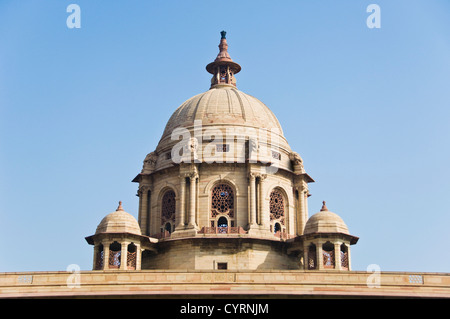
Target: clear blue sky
<point>367,109</point>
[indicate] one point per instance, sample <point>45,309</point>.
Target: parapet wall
<point>220,283</point>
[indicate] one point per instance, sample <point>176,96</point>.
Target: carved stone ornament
<point>149,163</point>
<point>297,162</point>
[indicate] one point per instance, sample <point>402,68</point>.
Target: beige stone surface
<point>223,105</point>
<point>325,222</point>
<point>118,221</point>
<point>185,283</point>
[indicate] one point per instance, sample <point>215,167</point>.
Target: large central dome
<point>223,105</point>
<point>226,109</point>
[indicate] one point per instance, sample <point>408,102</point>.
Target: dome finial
<point>324,207</point>
<point>120,206</point>
<point>223,68</point>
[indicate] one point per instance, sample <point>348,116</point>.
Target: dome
<point>325,222</point>
<point>119,222</point>
<point>223,105</point>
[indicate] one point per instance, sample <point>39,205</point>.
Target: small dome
<point>325,222</point>
<point>119,222</point>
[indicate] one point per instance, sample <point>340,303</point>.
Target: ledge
<point>205,284</point>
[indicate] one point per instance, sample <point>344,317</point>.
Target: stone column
<point>305,206</point>
<point>181,213</point>
<point>319,251</point>
<point>264,210</point>
<point>191,222</point>
<point>123,255</point>
<point>252,200</point>
<point>337,256</point>
<point>106,254</point>
<point>148,212</point>
<point>143,214</point>
<point>348,256</point>
<point>299,215</point>
<point>305,255</point>
<point>138,256</point>
<point>96,249</point>
<point>139,194</point>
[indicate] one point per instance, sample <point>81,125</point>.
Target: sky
<point>368,109</point>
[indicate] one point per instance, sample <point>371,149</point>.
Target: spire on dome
<point>223,68</point>
<point>120,206</point>
<point>324,207</point>
<point>223,49</point>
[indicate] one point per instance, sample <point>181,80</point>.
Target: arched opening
<point>277,212</point>
<point>312,257</point>
<point>328,255</point>
<point>114,255</point>
<point>222,225</point>
<point>222,200</point>
<point>222,204</point>
<point>277,228</point>
<point>168,227</point>
<point>131,256</point>
<point>99,258</point>
<point>168,207</point>
<point>344,256</point>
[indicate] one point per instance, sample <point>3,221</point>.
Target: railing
<point>222,230</point>
<point>312,262</point>
<point>344,260</point>
<point>99,261</point>
<point>131,260</point>
<point>281,235</point>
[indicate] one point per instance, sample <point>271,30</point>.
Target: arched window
<point>222,222</point>
<point>312,257</point>
<point>344,256</point>
<point>168,227</point>
<point>277,228</point>
<point>222,201</point>
<point>131,256</point>
<point>168,207</point>
<point>114,255</point>
<point>328,255</point>
<point>222,225</point>
<point>100,257</point>
<point>277,212</point>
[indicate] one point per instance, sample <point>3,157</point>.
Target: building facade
<point>223,184</point>
<point>223,212</point>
